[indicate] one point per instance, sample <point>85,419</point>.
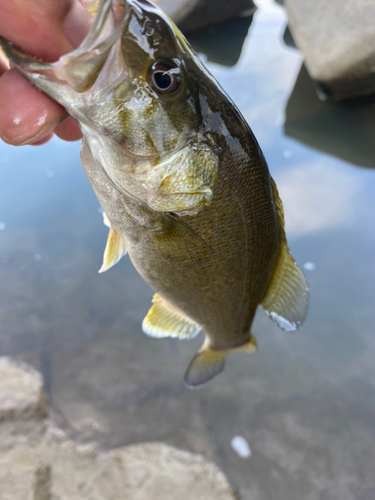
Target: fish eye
<point>165,77</point>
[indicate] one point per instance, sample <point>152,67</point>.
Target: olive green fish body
<point>215,266</point>
<point>183,183</point>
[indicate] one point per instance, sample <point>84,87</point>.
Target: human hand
<point>45,29</point>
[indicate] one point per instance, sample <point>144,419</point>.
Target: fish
<point>183,183</point>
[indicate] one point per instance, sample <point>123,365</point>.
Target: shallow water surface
<point>294,421</point>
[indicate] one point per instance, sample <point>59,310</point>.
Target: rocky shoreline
<point>39,462</point>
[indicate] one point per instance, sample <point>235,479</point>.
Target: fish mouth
<point>79,68</point>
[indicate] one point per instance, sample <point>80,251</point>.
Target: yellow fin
<point>208,363</point>
<point>106,220</point>
<point>166,320</point>
<point>250,346</point>
<point>287,298</point>
<point>114,250</point>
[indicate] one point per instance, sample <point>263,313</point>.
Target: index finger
<point>47,29</point>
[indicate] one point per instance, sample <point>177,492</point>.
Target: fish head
<point>131,89</point>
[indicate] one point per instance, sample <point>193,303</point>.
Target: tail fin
<point>208,363</point>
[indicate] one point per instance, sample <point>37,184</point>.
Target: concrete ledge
<point>337,38</point>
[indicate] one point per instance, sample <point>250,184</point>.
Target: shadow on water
<point>213,41</point>
<point>345,129</point>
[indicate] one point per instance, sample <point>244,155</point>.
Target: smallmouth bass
<point>183,183</point>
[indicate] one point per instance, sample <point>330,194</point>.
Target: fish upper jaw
<point>80,68</point>
<point>74,73</point>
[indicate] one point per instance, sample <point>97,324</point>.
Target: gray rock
<point>45,465</point>
<point>22,394</point>
<point>158,471</point>
<point>338,41</point>
<point>193,14</point>
<point>63,470</point>
<point>17,480</point>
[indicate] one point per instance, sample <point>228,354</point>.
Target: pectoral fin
<point>106,220</point>
<point>166,320</point>
<point>208,363</point>
<point>287,298</point>
<point>114,250</point>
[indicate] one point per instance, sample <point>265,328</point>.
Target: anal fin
<point>287,298</point>
<point>166,320</point>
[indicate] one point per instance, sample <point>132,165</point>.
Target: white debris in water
<point>241,447</point>
<point>287,154</point>
<point>2,226</point>
<point>37,257</point>
<point>309,266</point>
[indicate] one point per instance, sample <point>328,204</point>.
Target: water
<point>305,404</point>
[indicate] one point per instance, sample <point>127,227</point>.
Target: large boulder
<point>156,470</point>
<point>59,469</point>
<point>22,394</point>
<point>40,463</point>
<point>337,38</point>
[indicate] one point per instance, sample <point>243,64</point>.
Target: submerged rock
<point>159,471</point>
<point>338,41</point>
<point>194,14</point>
<point>22,394</point>
<point>345,129</point>
<point>45,465</point>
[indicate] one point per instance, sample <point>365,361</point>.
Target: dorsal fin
<point>287,298</point>
<point>114,250</point>
<point>166,320</point>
